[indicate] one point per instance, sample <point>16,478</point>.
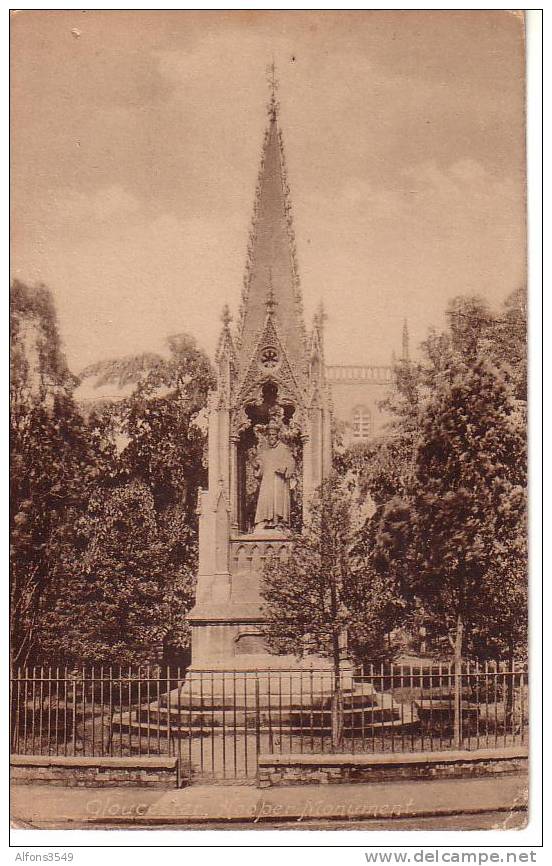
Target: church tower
<point>269,443</point>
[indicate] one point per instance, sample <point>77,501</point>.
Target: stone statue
<point>275,467</point>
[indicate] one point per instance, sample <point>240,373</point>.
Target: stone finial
<point>273,84</point>
<point>226,316</point>
<point>405,342</point>
<point>320,316</point>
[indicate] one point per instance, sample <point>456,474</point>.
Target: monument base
<point>263,680</point>
<point>237,644</point>
<point>227,618</point>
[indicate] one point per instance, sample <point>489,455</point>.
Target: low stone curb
<point>289,769</point>
<point>84,771</point>
<point>86,761</point>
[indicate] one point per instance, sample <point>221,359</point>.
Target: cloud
<point>134,277</point>
<point>70,211</point>
<point>125,288</point>
<point>403,252</point>
<point>113,201</point>
<point>136,150</point>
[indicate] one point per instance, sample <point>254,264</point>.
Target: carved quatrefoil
<point>269,357</point>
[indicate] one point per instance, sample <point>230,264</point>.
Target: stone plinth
<point>261,680</point>
<point>227,618</point>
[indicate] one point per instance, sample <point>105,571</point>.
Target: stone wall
<point>95,772</point>
<point>336,769</point>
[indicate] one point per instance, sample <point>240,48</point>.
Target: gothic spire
<point>271,270</point>
<point>320,316</point>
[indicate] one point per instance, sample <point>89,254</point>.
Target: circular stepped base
<point>187,712</point>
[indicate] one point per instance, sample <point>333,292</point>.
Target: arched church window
<point>362,422</point>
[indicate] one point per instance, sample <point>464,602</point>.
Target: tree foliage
<point>103,523</point>
<point>428,522</point>
<point>53,460</point>
<point>115,602</point>
<point>462,520</point>
<point>139,531</point>
<point>448,482</point>
<point>160,419</point>
<point>328,587</point>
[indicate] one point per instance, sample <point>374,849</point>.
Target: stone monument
<point>269,442</point>
<point>269,448</point>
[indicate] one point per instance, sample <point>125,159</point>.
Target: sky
<point>136,139</point>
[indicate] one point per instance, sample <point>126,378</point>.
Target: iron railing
<point>218,722</point>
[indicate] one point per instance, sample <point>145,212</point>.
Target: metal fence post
<point>257,722</point>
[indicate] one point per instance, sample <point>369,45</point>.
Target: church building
<point>357,393</point>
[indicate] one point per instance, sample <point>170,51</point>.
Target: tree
<point>116,587</point>
<point>326,591</point>
<point>53,460</point>
<point>72,473</point>
<point>474,332</point>
<point>160,421</point>
<point>465,502</point>
<point>157,428</point>
<point>379,469</point>
<point>507,342</point>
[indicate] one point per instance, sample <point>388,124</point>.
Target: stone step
<point>129,724</point>
<point>213,703</point>
<point>231,717</point>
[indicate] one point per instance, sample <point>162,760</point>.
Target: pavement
<point>233,806</point>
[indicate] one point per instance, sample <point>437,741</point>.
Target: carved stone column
<point>224,448</point>
<point>326,443</point>
<point>317,446</point>
<point>307,472</point>
<point>213,441</point>
<point>234,485</point>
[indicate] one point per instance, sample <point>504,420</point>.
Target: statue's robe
<point>275,466</point>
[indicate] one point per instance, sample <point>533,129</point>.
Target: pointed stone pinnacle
<point>273,84</point>
<point>226,316</point>
<point>405,342</point>
<point>320,316</point>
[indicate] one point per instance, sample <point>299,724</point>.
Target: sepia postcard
<point>268,428</point>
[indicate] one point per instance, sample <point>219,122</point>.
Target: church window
<point>362,423</point>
